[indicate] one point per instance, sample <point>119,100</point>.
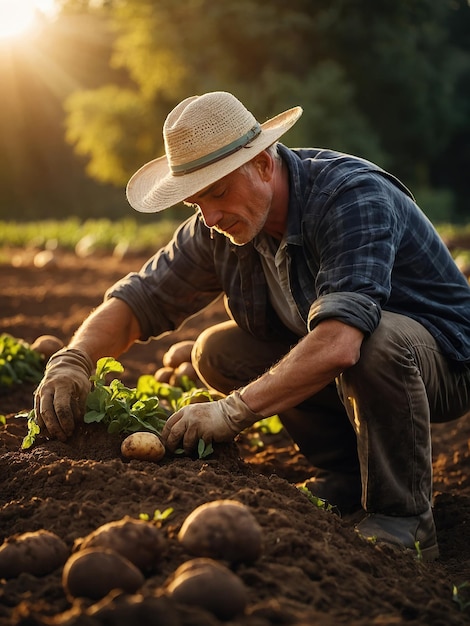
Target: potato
<point>163,374</point>
<point>93,573</point>
<point>134,539</point>
<point>38,553</point>
<point>44,259</point>
<point>143,446</point>
<point>47,345</point>
<point>178,353</point>
<point>222,529</point>
<point>184,369</point>
<point>210,585</point>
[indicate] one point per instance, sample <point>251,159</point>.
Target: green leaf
<point>320,503</point>
<point>168,392</point>
<point>18,362</point>
<point>93,416</point>
<point>33,430</point>
<point>193,395</point>
<point>148,386</point>
<point>186,383</point>
<point>105,366</point>
<point>125,410</point>
<point>204,449</point>
<point>270,425</point>
<point>95,400</point>
<point>117,426</point>
<point>160,516</point>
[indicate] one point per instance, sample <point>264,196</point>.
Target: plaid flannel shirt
<point>357,244</point>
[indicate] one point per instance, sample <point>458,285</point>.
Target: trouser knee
<point>227,358</point>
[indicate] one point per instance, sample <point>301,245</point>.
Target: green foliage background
<point>85,101</point>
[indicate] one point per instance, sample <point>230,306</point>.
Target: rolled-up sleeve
<point>358,237</point>
<point>353,309</point>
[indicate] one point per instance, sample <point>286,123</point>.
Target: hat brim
<point>154,188</point>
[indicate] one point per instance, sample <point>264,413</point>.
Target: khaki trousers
<point>373,421</point>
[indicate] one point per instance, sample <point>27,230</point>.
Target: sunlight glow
<point>18,17</point>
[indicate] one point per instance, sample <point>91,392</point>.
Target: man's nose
<point>212,216</point>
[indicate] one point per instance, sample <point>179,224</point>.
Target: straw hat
<point>206,137</point>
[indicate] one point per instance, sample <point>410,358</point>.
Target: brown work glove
<point>60,399</point>
<point>218,421</point>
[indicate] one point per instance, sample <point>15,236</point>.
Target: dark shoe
<point>416,533</point>
<point>341,491</point>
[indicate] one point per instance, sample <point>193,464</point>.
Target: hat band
<point>212,157</point>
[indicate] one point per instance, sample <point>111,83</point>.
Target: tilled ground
<point>313,568</point>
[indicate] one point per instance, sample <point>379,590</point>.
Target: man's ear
<point>264,164</point>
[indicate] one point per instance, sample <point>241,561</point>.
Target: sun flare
<point>18,17</point>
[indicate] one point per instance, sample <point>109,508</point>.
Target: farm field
<point>313,569</point>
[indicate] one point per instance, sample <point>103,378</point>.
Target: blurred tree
<point>260,51</point>
<point>379,80</point>
<point>389,81</point>
<point>100,123</point>
<point>405,67</point>
<point>450,168</point>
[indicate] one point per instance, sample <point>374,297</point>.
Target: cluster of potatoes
<point>120,554</point>
<point>177,364</point>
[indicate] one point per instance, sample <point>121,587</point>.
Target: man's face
<point>237,205</point>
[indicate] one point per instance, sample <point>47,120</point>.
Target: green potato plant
<point>18,362</point>
<point>125,410</point>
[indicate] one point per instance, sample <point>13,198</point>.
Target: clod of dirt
<point>94,572</point>
<point>136,540</point>
<point>38,553</point>
<point>222,529</point>
<point>210,585</point>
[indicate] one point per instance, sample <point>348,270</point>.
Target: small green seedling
<point>320,503</point>
<point>462,599</point>
<point>33,429</point>
<point>158,516</point>
<point>419,553</point>
<point>266,426</point>
<point>204,449</point>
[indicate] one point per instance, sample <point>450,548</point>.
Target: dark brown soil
<point>313,568</point>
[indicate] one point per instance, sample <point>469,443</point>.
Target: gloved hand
<point>218,421</point>
<point>60,399</point>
